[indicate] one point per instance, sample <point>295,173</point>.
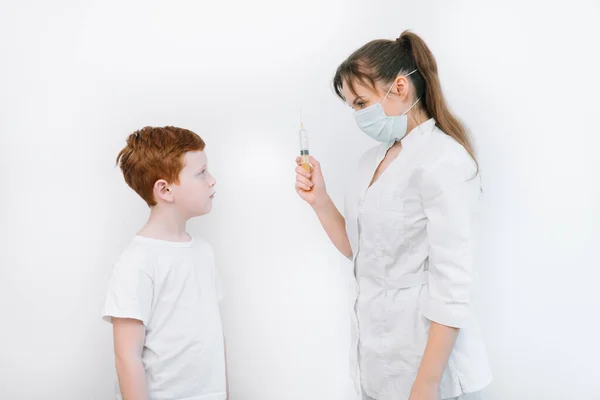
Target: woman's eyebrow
<point>356,99</point>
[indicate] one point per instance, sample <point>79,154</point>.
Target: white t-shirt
<point>174,289</point>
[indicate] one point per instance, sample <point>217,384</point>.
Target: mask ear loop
<point>413,117</point>
<point>416,122</point>
<point>418,125</point>
<point>411,107</point>
<point>413,104</point>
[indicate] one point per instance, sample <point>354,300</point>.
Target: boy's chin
<point>202,212</point>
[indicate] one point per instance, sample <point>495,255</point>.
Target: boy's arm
<point>226,373</point>
<point>129,335</point>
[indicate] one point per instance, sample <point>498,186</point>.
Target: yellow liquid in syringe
<point>305,161</point>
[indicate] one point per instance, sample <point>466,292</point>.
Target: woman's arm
<point>437,352</point>
<point>335,226</point>
<point>311,188</point>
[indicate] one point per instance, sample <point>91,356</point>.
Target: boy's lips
<point>212,196</point>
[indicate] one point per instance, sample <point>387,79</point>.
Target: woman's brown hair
<point>383,60</point>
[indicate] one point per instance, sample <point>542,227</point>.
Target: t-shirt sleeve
<point>130,294</point>
<point>218,283</point>
<point>217,278</point>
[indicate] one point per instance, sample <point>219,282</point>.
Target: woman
<point>409,228</point>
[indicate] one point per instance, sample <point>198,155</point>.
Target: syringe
<point>303,139</point>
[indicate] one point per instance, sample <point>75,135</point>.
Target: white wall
<point>77,77</point>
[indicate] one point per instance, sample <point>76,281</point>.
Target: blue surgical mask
<point>374,122</point>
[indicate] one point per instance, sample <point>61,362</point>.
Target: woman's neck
<point>415,118</point>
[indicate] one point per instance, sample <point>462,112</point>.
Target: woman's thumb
<point>316,165</point>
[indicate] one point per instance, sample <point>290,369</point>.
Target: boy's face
<point>194,194</point>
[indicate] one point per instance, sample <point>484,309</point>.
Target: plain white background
<point>77,77</point>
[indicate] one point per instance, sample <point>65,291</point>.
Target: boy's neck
<point>165,224</point>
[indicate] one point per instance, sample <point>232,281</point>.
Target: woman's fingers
<point>304,181</point>
<point>300,170</point>
<point>302,186</point>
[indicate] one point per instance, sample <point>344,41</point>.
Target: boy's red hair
<point>155,153</point>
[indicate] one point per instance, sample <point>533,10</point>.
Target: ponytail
<point>434,101</point>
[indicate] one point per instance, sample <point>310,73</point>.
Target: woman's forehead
<point>357,88</point>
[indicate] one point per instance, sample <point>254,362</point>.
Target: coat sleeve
<point>451,191</point>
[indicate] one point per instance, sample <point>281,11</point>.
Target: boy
<point>163,295</point>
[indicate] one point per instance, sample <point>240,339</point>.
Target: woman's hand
<point>310,186</point>
<point>424,391</point>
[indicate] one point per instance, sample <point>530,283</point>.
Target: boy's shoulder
<point>147,254</point>
<point>200,241</point>
<point>203,247</point>
<point>136,255</point>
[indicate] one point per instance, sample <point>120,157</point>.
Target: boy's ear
<point>161,191</point>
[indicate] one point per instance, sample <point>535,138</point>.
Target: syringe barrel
<point>303,140</point>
